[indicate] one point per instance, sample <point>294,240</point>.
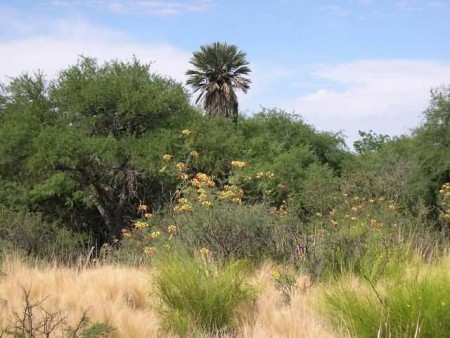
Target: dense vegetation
<point>115,158</point>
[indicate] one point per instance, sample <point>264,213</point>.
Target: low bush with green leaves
<point>29,234</point>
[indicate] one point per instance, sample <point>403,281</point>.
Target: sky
<point>342,65</point>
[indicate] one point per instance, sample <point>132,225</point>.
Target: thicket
<point>114,158</point>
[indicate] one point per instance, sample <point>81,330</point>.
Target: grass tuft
<point>198,296</point>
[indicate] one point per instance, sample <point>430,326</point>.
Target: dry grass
<point>275,319</point>
<point>122,297</point>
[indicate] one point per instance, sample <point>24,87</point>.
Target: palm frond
<point>219,69</point>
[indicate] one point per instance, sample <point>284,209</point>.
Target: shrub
<point>232,231</point>
<point>29,233</point>
<point>361,236</point>
<point>197,296</point>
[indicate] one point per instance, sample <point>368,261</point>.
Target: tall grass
<point>413,304</point>
<point>198,296</point>
<point>115,295</point>
<point>123,298</point>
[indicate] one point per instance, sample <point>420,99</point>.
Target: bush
<point>33,236</point>
<point>233,231</point>
<point>197,296</point>
<point>362,236</point>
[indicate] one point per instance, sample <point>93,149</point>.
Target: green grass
<point>197,296</point>
<point>415,304</point>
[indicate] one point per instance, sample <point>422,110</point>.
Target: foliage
<point>209,212</point>
<point>370,142</point>
<point>386,172</point>
<point>231,231</point>
<point>412,304</point>
<point>432,146</point>
<point>30,234</point>
<point>197,296</point>
<point>444,194</point>
<point>362,236</point>
<point>71,145</point>
<point>219,69</point>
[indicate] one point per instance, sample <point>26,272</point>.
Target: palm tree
<point>219,70</point>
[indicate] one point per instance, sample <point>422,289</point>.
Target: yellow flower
<point>186,132</point>
<point>150,250</point>
<point>126,233</point>
<point>195,154</point>
<point>206,203</point>
<point>142,207</point>
<point>167,157</point>
<point>141,225</point>
<point>155,235</point>
<point>202,197</point>
<point>148,215</point>
<point>239,164</point>
<point>172,229</point>
<point>236,200</point>
<point>202,180</point>
<point>184,177</point>
<point>270,174</point>
<point>275,273</point>
<point>181,166</point>
<point>183,200</point>
<point>183,207</point>
<point>204,252</point>
<point>282,210</point>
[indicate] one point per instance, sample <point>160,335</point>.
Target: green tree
<point>432,142</point>
<point>73,148</point>
<point>370,142</point>
<point>219,70</point>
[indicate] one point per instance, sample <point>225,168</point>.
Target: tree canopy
<point>219,69</point>
<point>72,142</point>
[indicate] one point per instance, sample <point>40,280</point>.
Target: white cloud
<point>53,53</point>
<point>151,7</point>
<point>387,96</point>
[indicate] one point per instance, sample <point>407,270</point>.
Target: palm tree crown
<point>219,70</point>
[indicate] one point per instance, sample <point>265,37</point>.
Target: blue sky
<point>343,65</point>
